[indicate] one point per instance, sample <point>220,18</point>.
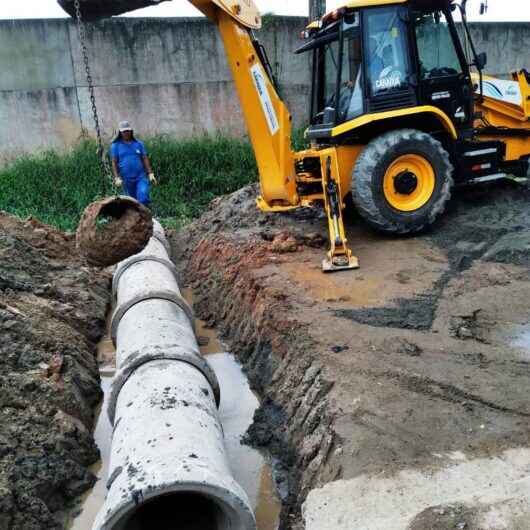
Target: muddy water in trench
<point>522,340</point>
<point>238,404</point>
<point>95,498</point>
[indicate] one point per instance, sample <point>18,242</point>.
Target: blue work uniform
<point>129,157</point>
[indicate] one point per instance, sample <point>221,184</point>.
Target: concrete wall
<point>506,43</point>
<point>165,75</point>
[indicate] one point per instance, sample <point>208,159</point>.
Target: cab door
<point>444,78</point>
<point>388,59</point>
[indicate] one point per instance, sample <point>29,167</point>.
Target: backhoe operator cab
<point>398,104</point>
<point>376,59</point>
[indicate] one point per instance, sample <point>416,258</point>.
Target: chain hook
<point>106,171</point>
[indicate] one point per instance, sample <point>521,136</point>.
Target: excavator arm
<point>267,117</point>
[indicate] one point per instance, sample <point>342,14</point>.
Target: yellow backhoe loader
<point>400,112</point>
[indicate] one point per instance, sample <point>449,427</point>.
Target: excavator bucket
<point>245,11</point>
<point>94,9</point>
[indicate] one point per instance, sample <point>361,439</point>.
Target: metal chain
<point>105,167</point>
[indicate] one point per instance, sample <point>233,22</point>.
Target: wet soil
<point>377,370</point>
<point>52,313</point>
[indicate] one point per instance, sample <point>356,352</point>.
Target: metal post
<point>317,9</point>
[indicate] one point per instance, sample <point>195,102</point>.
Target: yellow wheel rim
<point>409,183</point>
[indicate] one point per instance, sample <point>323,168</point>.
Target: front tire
<point>402,181</point>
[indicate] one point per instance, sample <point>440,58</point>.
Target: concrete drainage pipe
<point>168,468</point>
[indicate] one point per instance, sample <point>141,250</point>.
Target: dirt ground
<point>415,362</point>
<point>52,313</point>
<point>414,358</point>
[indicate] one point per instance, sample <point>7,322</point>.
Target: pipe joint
<point>172,353</point>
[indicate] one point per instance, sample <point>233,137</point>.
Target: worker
<point>130,164</point>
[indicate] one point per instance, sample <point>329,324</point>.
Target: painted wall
<point>164,75</point>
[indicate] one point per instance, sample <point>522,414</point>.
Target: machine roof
<point>354,4</point>
<point>420,4</point>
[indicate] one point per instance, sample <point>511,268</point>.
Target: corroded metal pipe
<point>167,443</point>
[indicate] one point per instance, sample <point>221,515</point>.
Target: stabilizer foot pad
<point>349,264</point>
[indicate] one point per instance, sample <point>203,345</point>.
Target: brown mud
<point>397,365</point>
<point>52,313</point>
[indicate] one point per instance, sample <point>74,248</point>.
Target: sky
<point>499,10</point>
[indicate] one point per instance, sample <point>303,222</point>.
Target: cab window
<point>351,101</point>
<point>325,82</point>
<point>331,61</point>
<point>436,48</point>
<point>387,58</point>
<point>332,66</point>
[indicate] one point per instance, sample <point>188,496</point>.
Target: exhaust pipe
<point>168,467</point>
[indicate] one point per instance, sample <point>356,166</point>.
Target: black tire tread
<point>362,193</point>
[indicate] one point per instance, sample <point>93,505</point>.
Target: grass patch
<point>57,187</point>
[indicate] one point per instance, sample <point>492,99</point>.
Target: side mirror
<point>482,60</point>
<point>351,18</point>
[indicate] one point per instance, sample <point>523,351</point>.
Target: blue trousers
<point>138,189</point>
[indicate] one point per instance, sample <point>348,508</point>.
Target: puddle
<point>249,467</point>
<point>94,499</point>
<point>208,340</point>
<point>238,404</point>
<point>521,339</point>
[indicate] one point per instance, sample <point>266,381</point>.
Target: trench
<point>249,467</point>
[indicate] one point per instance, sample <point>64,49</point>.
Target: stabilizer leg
<point>339,256</point>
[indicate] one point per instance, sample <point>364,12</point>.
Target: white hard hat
<point>124,126</point>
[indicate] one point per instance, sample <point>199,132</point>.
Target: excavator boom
<point>244,12</point>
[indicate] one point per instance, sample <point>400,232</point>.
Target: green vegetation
<point>57,187</point>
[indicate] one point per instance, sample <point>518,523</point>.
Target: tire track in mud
<point>298,422</point>
<point>443,391</point>
<point>496,230</point>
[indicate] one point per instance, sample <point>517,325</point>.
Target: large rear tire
<point>402,181</point>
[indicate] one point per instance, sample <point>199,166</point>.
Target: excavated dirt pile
<point>52,313</point>
<point>417,356</point>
